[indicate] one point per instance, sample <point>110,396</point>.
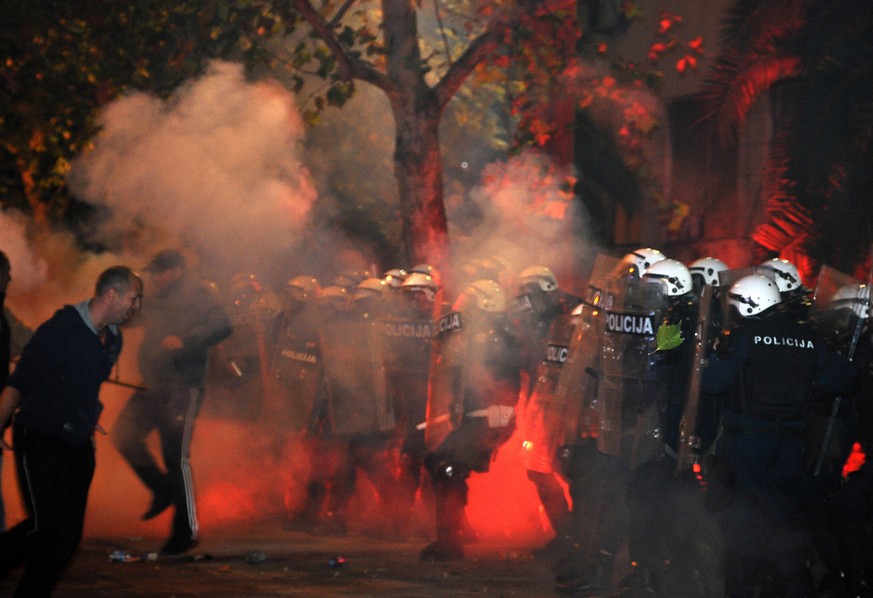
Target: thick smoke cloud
<point>215,167</point>
<point>28,269</point>
<point>524,214</point>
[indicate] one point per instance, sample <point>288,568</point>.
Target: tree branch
<point>349,68</point>
<point>340,13</point>
<point>458,71</point>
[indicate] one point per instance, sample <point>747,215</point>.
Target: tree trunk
<point>417,160</point>
<point>419,172</point>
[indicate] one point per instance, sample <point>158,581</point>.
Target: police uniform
<point>484,419</point>
<point>768,377</point>
<point>535,313</point>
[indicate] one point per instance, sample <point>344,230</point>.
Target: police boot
<point>588,579</point>
<point>450,494</point>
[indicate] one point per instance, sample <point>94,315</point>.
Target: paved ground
<point>242,478</point>
<point>299,564</point>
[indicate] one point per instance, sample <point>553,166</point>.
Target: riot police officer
<point>665,510</point>
<point>323,510</point>
<point>408,332</point>
<point>629,420</point>
<point>768,376</point>
<point>795,296</point>
<point>843,536</point>
<point>474,385</point>
<point>295,373</point>
<point>361,415</point>
<point>536,311</point>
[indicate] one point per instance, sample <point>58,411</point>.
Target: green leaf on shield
<point>669,337</point>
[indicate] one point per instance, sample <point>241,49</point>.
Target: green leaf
<point>669,337</point>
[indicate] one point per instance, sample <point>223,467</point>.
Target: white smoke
<point>28,269</point>
<point>528,216</point>
<point>215,167</point>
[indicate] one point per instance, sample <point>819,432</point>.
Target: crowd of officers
<point>699,417</point>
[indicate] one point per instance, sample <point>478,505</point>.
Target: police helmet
<point>394,277</point>
<point>350,279</point>
<point>784,273</point>
<point>539,275</point>
<point>855,297</point>
<point>487,295</point>
<point>707,268</point>
<point>426,269</point>
<point>335,296</point>
<point>644,258</point>
<point>673,275</point>
<point>370,288</point>
<point>753,294</point>
<point>303,287</point>
<point>418,282</point>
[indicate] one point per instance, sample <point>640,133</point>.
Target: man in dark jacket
<point>55,388</point>
<point>181,322</point>
<point>769,375</point>
<point>13,336</point>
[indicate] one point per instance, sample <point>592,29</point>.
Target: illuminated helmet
<point>784,273</point>
<point>423,283</point>
<point>426,269</point>
<point>753,294</point>
<point>855,297</point>
<point>302,288</point>
<point>394,277</point>
<point>334,296</point>
<point>487,295</point>
<point>370,288</point>
<point>350,279</point>
<point>644,258</point>
<point>539,275</point>
<point>707,268</point>
<point>673,275</point>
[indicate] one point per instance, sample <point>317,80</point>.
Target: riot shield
<point>838,303</point>
<point>354,375</point>
<point>446,378</point>
<point>689,442</point>
<point>408,341</point>
<point>630,397</point>
<point>239,373</point>
<point>542,421</point>
<point>295,371</point>
<point>575,394</point>
<point>841,306</point>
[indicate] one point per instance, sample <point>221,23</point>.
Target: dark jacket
<point>774,366</point>
<point>59,377</point>
<point>188,310</point>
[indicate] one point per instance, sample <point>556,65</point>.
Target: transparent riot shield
<point>575,394</point>
<point>542,421</point>
<point>445,393</point>
<point>239,373</point>
<point>408,341</point>
<point>630,396</point>
<point>841,307</point>
<point>689,442</point>
<point>352,356</point>
<point>295,371</point>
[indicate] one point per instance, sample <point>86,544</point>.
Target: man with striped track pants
<point>182,320</point>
